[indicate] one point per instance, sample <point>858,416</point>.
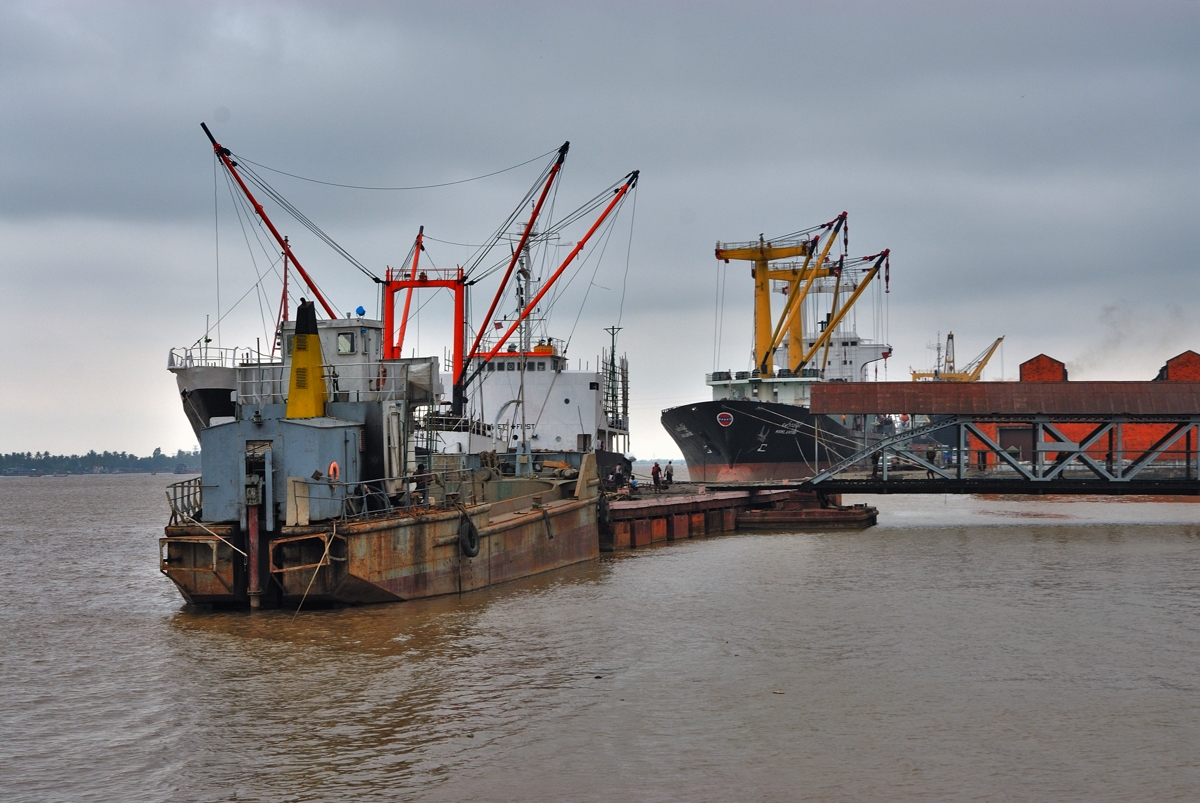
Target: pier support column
<point>658,530</point>
<point>677,527</point>
<point>620,535</point>
<point>253,549</point>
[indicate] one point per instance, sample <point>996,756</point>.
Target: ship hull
<point>752,441</point>
<point>205,391</point>
<point>390,558</point>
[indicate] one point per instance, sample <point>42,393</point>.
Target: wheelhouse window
<point>541,365</point>
<point>345,343</point>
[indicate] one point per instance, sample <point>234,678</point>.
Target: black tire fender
<point>468,536</point>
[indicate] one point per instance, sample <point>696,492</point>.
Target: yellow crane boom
<point>768,336</point>
<point>761,253</point>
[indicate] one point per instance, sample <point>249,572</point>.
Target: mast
<point>282,317</point>
<point>523,278</point>
<point>610,389</point>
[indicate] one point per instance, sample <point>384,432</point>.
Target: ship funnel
<point>306,387</point>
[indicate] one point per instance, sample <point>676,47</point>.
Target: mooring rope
<point>328,544</point>
<point>214,535</point>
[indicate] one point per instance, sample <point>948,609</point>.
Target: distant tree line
<point>95,462</point>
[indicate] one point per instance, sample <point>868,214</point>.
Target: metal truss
<point>1122,470</point>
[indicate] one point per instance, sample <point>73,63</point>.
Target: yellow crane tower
<point>799,276</point>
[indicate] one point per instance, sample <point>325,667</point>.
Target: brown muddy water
<point>966,648</point>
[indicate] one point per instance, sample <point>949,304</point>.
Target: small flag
<point>498,325</point>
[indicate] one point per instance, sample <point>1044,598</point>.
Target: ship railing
<point>411,494</point>
<point>617,422</point>
<point>262,383</point>
<point>267,383</point>
<point>453,423</point>
<point>368,381</point>
<point>210,357</point>
<point>186,499</point>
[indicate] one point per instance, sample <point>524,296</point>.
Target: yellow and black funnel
<point>306,388</point>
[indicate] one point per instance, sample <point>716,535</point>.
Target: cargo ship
<point>757,426</point>
<point>336,471</point>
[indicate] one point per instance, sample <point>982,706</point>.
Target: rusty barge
<point>334,470</point>
<point>285,511</point>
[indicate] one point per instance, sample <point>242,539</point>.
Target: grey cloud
<point>1029,164</point>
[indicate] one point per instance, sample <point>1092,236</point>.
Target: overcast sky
<point>1034,168</point>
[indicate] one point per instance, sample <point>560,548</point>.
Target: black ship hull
<point>750,441</point>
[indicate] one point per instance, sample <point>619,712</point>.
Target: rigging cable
<point>571,218</point>
<point>716,313</point>
<point>628,252</point>
<point>610,228</point>
<point>239,301</point>
<point>217,246</point>
<point>304,221</point>
<point>274,258</point>
<point>481,253</point>
<point>258,274</point>
<point>241,203</point>
<point>392,189</point>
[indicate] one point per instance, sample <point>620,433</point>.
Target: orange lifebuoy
<point>334,472</point>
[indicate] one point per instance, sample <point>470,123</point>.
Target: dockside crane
<point>814,246</point>
<point>799,276</point>
<point>947,371</point>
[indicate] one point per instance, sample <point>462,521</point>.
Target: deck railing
<point>267,383</point>
<point>386,496</point>
<point>210,357</point>
<point>186,499</point>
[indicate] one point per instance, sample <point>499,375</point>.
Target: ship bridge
<point>1030,437</point>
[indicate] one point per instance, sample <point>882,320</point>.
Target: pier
<point>1030,437</point>
<point>700,510</point>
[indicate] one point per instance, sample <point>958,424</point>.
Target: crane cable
<point>394,189</point>
<point>240,202</point>
<point>300,217</point>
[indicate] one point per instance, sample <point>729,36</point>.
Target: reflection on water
<point>993,647</point>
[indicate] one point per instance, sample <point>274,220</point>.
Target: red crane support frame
<point>396,280</point>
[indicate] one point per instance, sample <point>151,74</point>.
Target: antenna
<point>610,388</point>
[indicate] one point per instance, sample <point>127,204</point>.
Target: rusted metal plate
<point>419,556</point>
<point>1007,398</point>
<point>203,567</point>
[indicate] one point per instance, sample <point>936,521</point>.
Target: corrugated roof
<point>1007,398</point>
